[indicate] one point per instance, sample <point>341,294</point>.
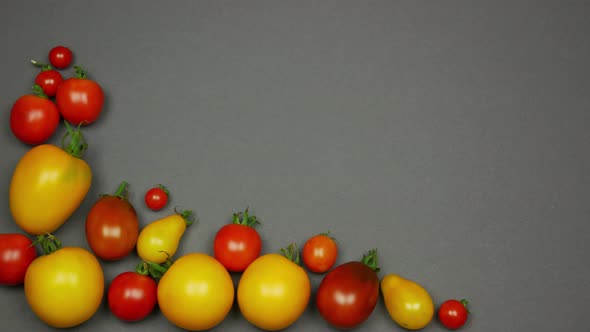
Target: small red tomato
<point>132,296</point>
<point>34,118</point>
<point>453,313</point>
<point>156,198</point>
<point>48,78</point>
<point>348,294</point>
<point>238,244</point>
<point>17,252</point>
<point>112,226</point>
<point>60,57</point>
<point>80,100</point>
<point>319,253</point>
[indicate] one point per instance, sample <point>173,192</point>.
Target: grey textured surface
<point>452,136</point>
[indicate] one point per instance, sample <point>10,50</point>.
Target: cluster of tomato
<point>195,291</point>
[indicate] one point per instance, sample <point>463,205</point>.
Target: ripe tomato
<point>73,278</point>
<point>238,244</point>
<point>48,184</point>
<point>453,313</point>
<point>349,293</point>
<point>158,241</point>
<point>34,118</point>
<point>80,100</point>
<point>16,254</point>
<point>112,226</point>
<point>196,293</point>
<point>156,198</point>
<point>60,57</point>
<point>274,290</point>
<point>48,78</point>
<point>132,296</point>
<point>320,253</point>
<point>408,303</point>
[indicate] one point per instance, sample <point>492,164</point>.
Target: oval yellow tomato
<point>196,293</point>
<point>159,240</point>
<point>65,288</point>
<point>273,292</point>
<point>47,186</point>
<point>407,302</point>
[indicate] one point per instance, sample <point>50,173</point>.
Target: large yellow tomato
<point>47,186</point>
<point>408,303</point>
<point>65,288</point>
<point>196,293</point>
<point>273,292</point>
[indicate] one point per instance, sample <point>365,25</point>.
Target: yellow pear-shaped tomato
<point>407,302</point>
<point>159,240</point>
<point>48,184</point>
<point>273,291</point>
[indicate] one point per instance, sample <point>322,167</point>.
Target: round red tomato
<point>112,226</point>
<point>34,118</point>
<point>319,253</point>
<point>60,57</point>
<point>156,198</point>
<point>17,252</point>
<point>348,294</point>
<point>238,244</point>
<point>453,313</point>
<point>80,100</point>
<point>132,296</point>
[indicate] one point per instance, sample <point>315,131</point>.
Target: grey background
<point>451,135</point>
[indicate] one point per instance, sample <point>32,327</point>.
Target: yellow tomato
<point>273,292</point>
<point>47,186</point>
<point>159,240</point>
<point>407,302</point>
<point>65,288</point>
<point>196,293</point>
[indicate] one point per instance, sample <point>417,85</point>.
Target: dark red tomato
<point>156,198</point>
<point>112,226</point>
<point>453,313</point>
<point>48,78</point>
<point>17,252</point>
<point>60,57</point>
<point>132,296</point>
<point>320,253</point>
<point>238,244</point>
<point>348,294</point>
<point>34,118</point>
<point>80,100</point>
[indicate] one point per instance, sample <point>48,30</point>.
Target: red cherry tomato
<point>348,294</point>
<point>48,78</point>
<point>17,252</point>
<point>34,118</point>
<point>112,226</point>
<point>80,100</point>
<point>238,244</point>
<point>132,296</point>
<point>453,313</point>
<point>156,198</point>
<point>319,253</point>
<point>60,57</point>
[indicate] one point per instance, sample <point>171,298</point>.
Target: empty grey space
<point>450,135</point>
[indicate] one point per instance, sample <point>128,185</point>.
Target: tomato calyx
<point>187,215</point>
<point>43,66</point>
<point>79,72</point>
<point>292,253</point>
<point>49,243</point>
<point>164,189</point>
<point>121,192</point>
<point>464,302</point>
<point>154,270</point>
<point>370,259</point>
<point>245,219</point>
<point>77,145</point>
<point>38,91</point>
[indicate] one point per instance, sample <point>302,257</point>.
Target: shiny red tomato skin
<point>236,246</point>
<point>131,296</point>
<point>453,314</point>
<point>348,294</point>
<point>112,228</point>
<point>17,252</point>
<point>319,253</point>
<point>156,198</point>
<point>60,57</point>
<point>49,80</point>
<point>80,100</point>
<point>34,119</point>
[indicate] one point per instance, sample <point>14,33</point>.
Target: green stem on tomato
<point>38,91</point>
<point>164,189</point>
<point>80,72</point>
<point>187,215</point>
<point>77,145</point>
<point>245,219</point>
<point>292,253</point>
<point>156,271</point>
<point>370,259</point>
<point>44,66</point>
<point>122,190</point>
<point>49,243</point>
<point>464,302</point>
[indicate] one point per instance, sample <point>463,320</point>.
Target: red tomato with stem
<point>34,118</point>
<point>348,294</point>
<point>112,226</point>
<point>132,296</point>
<point>156,198</point>
<point>319,253</point>
<point>79,99</point>
<point>238,244</point>
<point>48,78</point>
<point>60,57</point>
<point>17,252</point>
<point>453,313</point>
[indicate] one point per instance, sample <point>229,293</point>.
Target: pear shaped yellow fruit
<point>159,240</point>
<point>407,302</point>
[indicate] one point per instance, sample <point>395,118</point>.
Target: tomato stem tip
<point>49,243</point>
<point>122,190</point>
<point>371,260</point>
<point>292,253</point>
<point>77,145</point>
<point>243,218</point>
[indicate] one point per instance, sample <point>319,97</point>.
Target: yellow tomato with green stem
<point>49,183</point>
<point>408,303</point>
<point>159,240</point>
